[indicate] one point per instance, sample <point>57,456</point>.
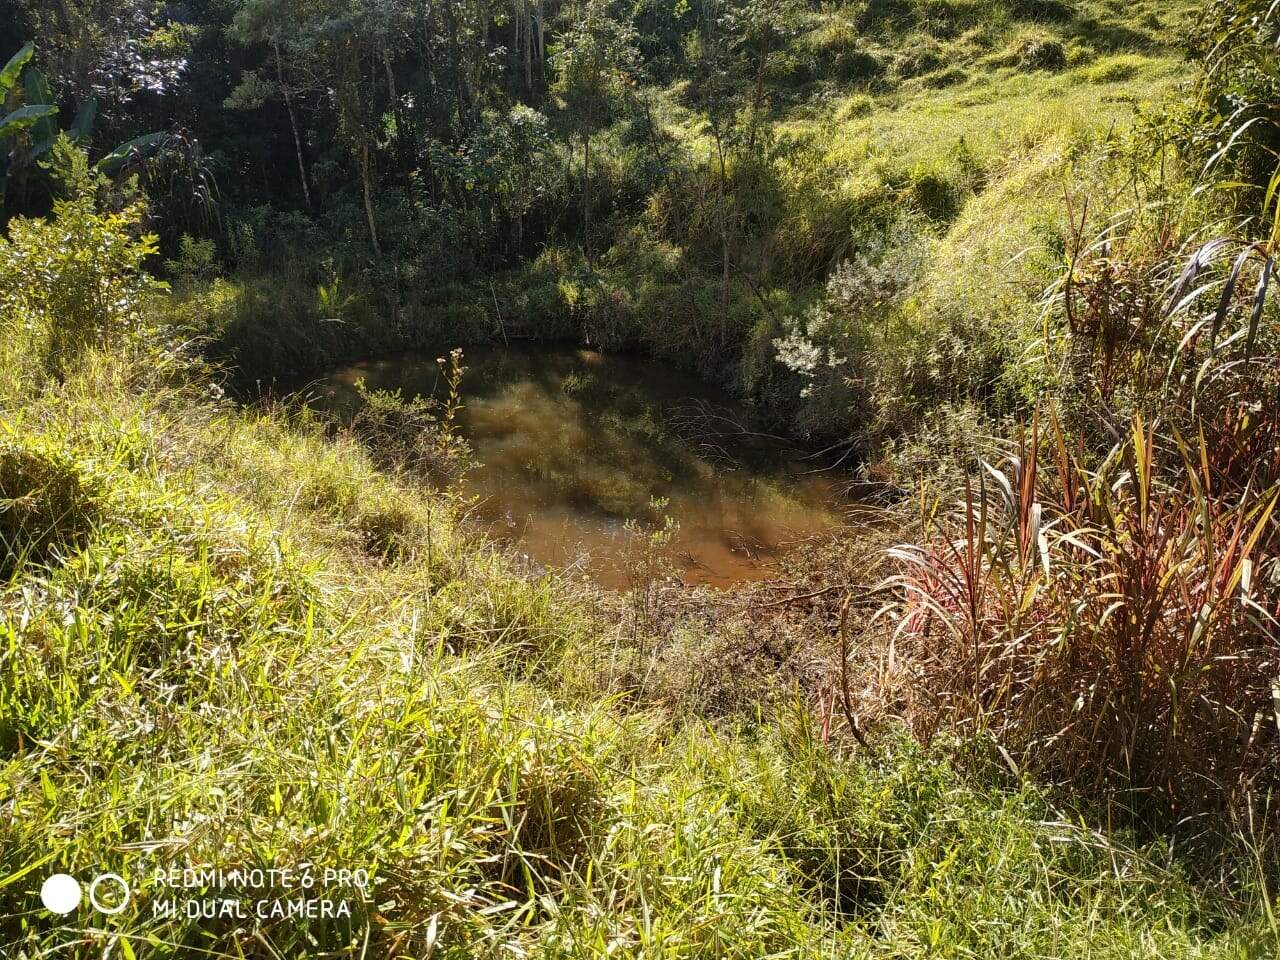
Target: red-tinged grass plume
<point>1116,630</point>
<point>1112,617</point>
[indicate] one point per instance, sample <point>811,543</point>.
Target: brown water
<point>570,444</point>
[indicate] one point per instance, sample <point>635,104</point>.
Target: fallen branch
<point>804,596</point>
<point>846,701</point>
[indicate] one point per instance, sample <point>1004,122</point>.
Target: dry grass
<point>1107,605</point>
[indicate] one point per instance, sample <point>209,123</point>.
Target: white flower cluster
<point>882,270</point>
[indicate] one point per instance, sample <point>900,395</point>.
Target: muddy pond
<point>571,444</point>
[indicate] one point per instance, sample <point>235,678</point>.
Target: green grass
<point>984,159</point>
<point>227,639</point>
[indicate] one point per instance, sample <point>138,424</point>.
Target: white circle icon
<point>60,893</point>
<point>109,908</point>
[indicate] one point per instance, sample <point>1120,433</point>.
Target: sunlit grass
<point>215,661</point>
<point>230,637</point>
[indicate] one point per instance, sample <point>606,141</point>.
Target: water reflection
<point>571,444</point>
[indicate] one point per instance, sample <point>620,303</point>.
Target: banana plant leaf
<point>122,154</point>
<point>36,92</point>
<point>9,75</point>
<point>25,117</point>
<point>82,126</point>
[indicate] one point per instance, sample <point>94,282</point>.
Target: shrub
<point>1235,124</point>
<point>836,346</point>
<point>1115,620</point>
<point>75,279</point>
<point>419,434</point>
<point>196,262</point>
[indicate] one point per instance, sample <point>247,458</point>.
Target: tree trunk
<point>758,101</point>
<point>455,55</point>
<point>586,196</point>
<point>724,238</point>
<point>654,138</point>
<point>437,104</point>
<point>542,49</point>
<point>293,125</point>
<point>367,179</point>
<point>528,51</point>
<point>391,82</point>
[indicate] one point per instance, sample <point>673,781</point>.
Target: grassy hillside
<point>230,640</point>
<point>234,634</point>
<point>950,114</point>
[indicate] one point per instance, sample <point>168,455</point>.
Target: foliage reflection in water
<point>571,444</point>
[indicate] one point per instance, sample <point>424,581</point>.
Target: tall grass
<point>1107,605</point>
<point>210,657</point>
<point>1114,627</point>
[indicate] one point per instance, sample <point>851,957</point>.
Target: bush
<point>838,347</point>
<point>1238,90</point>
<point>420,434</point>
<point>76,279</point>
<point>1114,619</point>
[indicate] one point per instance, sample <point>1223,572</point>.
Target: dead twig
<point>804,596</point>
<point>846,701</point>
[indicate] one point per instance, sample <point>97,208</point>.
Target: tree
<point>594,64</point>
<point>332,48</point>
<point>718,90</point>
<point>759,28</point>
<point>730,56</point>
<point>114,51</point>
<point>265,22</point>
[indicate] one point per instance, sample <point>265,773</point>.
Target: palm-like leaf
<point>13,69</point>
<point>139,146</point>
<point>36,92</point>
<point>82,126</point>
<point>25,117</point>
